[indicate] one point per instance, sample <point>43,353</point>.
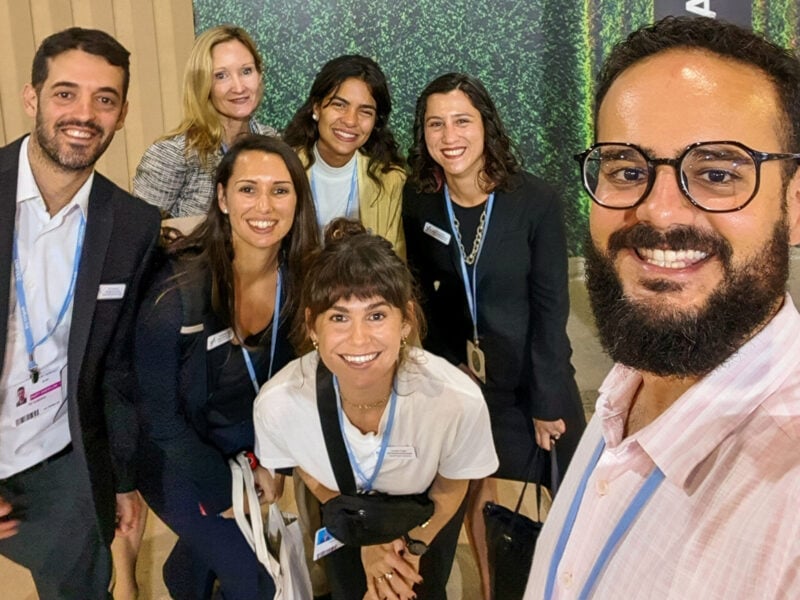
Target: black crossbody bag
<point>360,519</point>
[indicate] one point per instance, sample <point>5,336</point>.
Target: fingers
<point>547,430</point>
<point>543,441</point>
<point>389,574</point>
<point>8,526</point>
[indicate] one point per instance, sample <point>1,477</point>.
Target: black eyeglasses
<point>714,176</point>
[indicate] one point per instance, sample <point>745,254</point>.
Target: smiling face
<point>359,341</point>
<point>702,276</point>
<point>454,134</point>
<point>259,199</point>
<point>345,120</point>
<point>236,83</point>
<point>78,108</point>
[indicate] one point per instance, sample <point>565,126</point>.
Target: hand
<point>130,508</point>
<point>546,430</point>
<point>7,527</point>
<point>391,571</point>
<point>269,487</point>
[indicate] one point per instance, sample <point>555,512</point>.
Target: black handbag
<point>511,537</point>
<point>360,519</point>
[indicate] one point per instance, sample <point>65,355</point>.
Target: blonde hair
<point>201,123</point>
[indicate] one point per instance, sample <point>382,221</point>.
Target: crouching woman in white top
<point>409,425</point>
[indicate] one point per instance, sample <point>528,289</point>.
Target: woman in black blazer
<point>214,326</point>
<point>486,241</point>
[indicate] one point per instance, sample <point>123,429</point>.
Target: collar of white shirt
<point>28,191</point>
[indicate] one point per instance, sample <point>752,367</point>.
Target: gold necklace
<point>366,406</point>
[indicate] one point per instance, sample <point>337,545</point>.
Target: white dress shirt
<point>38,428</point>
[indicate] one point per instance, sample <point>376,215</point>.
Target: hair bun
<point>341,229</point>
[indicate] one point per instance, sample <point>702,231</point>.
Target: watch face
<point>416,547</point>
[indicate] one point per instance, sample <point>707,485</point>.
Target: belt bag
<point>360,519</point>
<point>367,519</point>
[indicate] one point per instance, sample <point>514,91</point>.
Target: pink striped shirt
<point>725,522</point>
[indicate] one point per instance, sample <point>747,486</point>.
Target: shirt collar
<point>27,190</point>
<point>708,412</point>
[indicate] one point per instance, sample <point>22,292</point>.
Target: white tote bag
<point>279,546</point>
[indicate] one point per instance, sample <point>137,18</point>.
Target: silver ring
<point>381,578</point>
<point>388,575</point>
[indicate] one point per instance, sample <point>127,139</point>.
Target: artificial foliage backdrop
<point>538,58</point>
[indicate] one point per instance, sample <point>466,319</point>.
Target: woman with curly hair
<point>487,243</point>
<point>342,135</point>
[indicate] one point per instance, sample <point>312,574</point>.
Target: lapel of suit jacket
<point>500,221</point>
<point>98,234</point>
<point>9,164</point>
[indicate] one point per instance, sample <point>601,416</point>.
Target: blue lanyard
<point>368,481</point>
<point>23,303</point>
<point>276,313</point>
<point>470,288</point>
<point>623,525</point>
<point>351,197</point>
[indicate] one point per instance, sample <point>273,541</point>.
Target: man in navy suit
<point>73,250</point>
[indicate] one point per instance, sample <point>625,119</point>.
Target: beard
<point>66,156</point>
<point>667,340</point>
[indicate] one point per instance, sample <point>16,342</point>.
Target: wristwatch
<point>415,547</point>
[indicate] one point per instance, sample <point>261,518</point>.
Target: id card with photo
<point>34,400</point>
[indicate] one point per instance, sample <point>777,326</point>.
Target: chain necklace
<point>476,244</point>
<point>365,406</point>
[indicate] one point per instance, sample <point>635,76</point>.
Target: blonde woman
<point>222,87</point>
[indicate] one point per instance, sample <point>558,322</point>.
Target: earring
<point>403,343</point>
<point>315,344</point>
<point>224,211</point>
<point>315,116</point>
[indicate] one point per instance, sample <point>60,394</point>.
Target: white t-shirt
<point>441,427</point>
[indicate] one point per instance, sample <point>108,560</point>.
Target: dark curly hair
<point>500,160</point>
<point>780,65</point>
<point>381,147</point>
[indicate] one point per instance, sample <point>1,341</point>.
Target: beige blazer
<point>379,208</point>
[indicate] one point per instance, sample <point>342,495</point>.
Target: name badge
<point>325,543</point>
<point>37,399</point>
<point>111,291</point>
<point>476,361</point>
<point>219,338</point>
<point>440,235</point>
<point>408,452</point>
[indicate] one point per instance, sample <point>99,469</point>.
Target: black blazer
<point>121,233</point>
<point>175,375</point>
<point>523,299</point>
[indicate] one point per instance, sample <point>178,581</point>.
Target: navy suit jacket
<point>121,234</point>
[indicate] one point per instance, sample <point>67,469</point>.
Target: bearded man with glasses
<point>685,484</point>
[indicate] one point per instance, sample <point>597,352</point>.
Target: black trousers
<point>348,581</point>
<point>58,538</point>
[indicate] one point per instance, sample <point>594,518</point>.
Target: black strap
<point>534,475</point>
<point>332,432</point>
